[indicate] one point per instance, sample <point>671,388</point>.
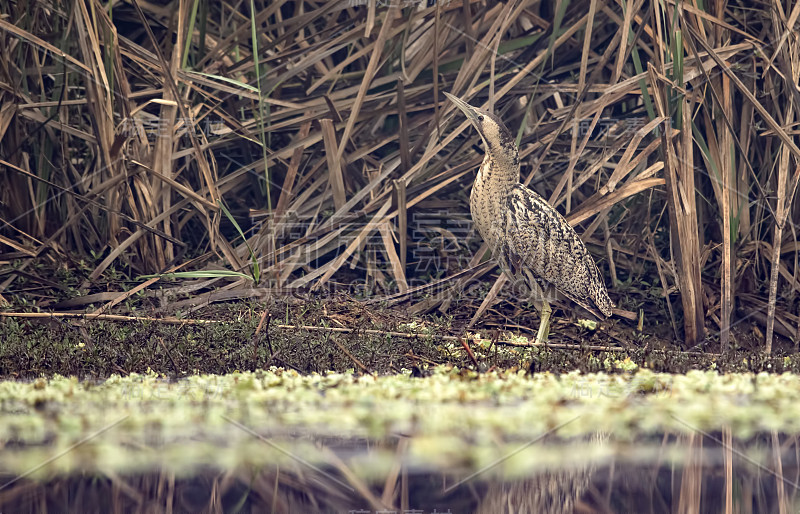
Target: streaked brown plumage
<point>531,240</point>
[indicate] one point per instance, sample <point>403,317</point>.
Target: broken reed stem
<point>107,317</point>
<point>352,357</point>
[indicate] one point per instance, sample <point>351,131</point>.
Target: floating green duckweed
<point>452,417</point>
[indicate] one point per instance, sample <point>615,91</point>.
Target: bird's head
<point>495,135</point>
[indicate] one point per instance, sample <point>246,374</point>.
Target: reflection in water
<point>549,492</point>
<point>680,473</point>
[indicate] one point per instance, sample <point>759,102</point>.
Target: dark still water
<point>686,472</point>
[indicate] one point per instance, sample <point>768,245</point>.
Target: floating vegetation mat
<point>451,419</point>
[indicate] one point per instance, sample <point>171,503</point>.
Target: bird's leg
<point>543,306</point>
<point>544,324</point>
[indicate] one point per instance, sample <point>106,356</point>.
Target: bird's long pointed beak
<point>466,108</point>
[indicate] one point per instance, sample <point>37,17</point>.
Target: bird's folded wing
<point>540,239</point>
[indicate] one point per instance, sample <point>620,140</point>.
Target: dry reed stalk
<point>679,176</point>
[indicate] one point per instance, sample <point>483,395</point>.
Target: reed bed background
<point>144,138</point>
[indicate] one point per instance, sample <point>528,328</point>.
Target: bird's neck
<point>497,176</point>
<point>499,172</point>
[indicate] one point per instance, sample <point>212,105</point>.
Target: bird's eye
<point>480,117</point>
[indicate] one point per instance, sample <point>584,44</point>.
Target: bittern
<point>529,238</point>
